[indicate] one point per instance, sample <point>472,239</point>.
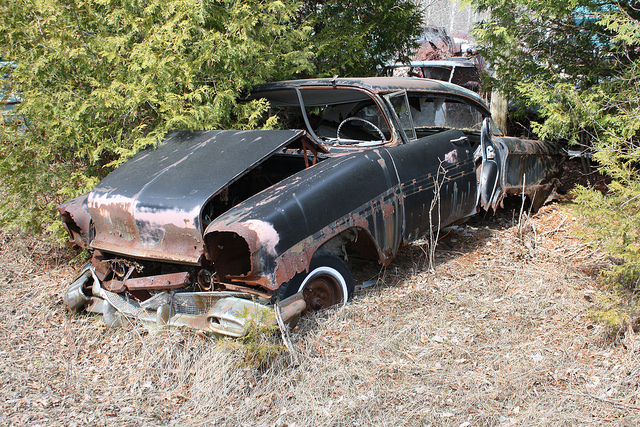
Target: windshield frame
<point>301,98</point>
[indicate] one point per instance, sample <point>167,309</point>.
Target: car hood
<point>150,206</point>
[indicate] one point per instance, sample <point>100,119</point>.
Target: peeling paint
<point>266,234</point>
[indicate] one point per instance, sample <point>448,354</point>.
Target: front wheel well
<point>354,242</point>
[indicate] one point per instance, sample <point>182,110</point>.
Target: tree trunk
<point>499,109</point>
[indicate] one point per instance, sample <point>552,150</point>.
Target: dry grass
<point>498,335</point>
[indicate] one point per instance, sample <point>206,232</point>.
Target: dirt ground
<point>499,334</point>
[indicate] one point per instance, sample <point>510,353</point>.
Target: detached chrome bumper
<point>220,313</point>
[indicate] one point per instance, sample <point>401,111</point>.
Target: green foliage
<point>355,38</point>
<point>612,223</point>
<point>583,75</point>
<point>534,42</point>
<point>101,79</point>
<point>259,344</point>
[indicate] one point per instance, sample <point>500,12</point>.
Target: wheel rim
<point>322,291</point>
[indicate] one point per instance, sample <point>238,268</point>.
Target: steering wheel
<point>350,119</point>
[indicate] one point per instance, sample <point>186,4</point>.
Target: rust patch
<point>114,286</point>
<point>164,281</point>
<point>296,260</point>
<point>152,233</point>
<point>76,220</point>
<point>253,280</point>
<point>102,268</point>
<point>240,288</point>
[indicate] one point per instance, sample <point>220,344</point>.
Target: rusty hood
<point>150,207</point>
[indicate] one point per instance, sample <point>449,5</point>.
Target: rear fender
<point>531,168</point>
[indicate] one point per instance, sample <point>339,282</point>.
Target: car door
<point>437,181</point>
<point>436,174</point>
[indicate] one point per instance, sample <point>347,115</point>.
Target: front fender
<point>272,236</point>
<point>77,221</point>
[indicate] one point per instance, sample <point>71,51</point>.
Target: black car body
<point>213,225</point>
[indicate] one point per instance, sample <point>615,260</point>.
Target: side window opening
<point>431,114</point>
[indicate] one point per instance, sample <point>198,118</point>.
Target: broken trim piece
<point>219,313</point>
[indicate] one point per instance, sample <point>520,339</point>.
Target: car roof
<point>377,85</point>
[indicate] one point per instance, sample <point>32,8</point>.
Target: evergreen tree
<point>357,37</point>
<point>578,63</point>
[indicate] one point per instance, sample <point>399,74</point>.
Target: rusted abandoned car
<point>458,70</point>
<point>212,226</point>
